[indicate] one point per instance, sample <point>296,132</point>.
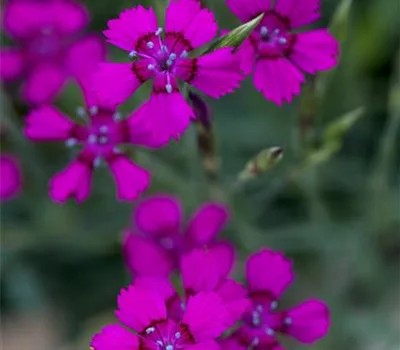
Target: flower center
<point>166,335</point>
<point>44,44</point>
<point>273,38</point>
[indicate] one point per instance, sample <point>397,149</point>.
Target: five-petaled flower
<point>162,55</point>
<point>144,311</point>
<point>100,138</point>
<point>268,275</point>
<point>49,38</point>
<point>155,244</point>
<point>276,53</point>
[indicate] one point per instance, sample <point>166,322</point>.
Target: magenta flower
<point>10,177</point>
<point>276,53</point>
<point>144,311</point>
<point>48,34</point>
<point>100,140</point>
<point>163,56</point>
<point>268,275</point>
<point>157,241</point>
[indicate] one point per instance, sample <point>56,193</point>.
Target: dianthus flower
<point>144,312</point>
<point>100,138</point>
<point>10,177</point>
<point>268,275</point>
<point>163,56</point>
<point>155,244</point>
<point>48,34</point>
<point>279,55</point>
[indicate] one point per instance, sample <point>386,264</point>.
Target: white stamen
<point>150,66</point>
<point>71,142</point>
<point>255,341</point>
<point>117,116</point>
<point>117,150</point>
<point>172,56</point>
<point>169,63</point>
<point>169,347</point>
<point>184,54</point>
<point>259,308</point>
<point>264,31</point>
<point>80,112</point>
<point>256,319</point>
<point>103,129</point>
<point>92,139</point>
<point>288,320</point>
<point>93,110</point>
<point>164,48</point>
<point>159,31</point>
<point>150,44</point>
<point>282,41</point>
<point>183,306</point>
<point>150,330</point>
<point>274,305</point>
<point>168,87</point>
<point>177,335</point>
<point>97,162</point>
<point>270,331</point>
<point>132,54</point>
<point>159,342</point>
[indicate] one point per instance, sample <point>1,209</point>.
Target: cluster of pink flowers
<point>213,311</point>
<point>54,46</point>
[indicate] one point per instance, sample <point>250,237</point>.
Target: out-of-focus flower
<point>164,58</point>
<point>144,311</point>
<point>48,34</point>
<point>155,244</point>
<point>268,275</point>
<point>10,177</point>
<point>278,55</point>
<point>100,139</point>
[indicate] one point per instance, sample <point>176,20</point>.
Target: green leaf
<point>236,37</point>
<point>340,22</point>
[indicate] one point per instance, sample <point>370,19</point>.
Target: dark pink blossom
<point>155,244</point>
<point>278,55</point>
<point>48,34</point>
<point>144,312</point>
<point>10,177</point>
<point>100,138</point>
<point>163,56</point>
<point>268,274</point>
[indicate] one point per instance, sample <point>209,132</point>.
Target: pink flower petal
<point>246,56</point>
<point>10,177</point>
<point>37,92</point>
<point>216,74</point>
<point>69,16</point>
<point>277,79</point>
<point>48,124</point>
<point>300,13</point>
<point>73,181</point>
<point>138,308</point>
<point>114,83</point>
<point>131,180</point>
<point>235,298</point>
<point>158,215</point>
<point>115,337</point>
<point>208,345</point>
<point>201,270</point>
<point>12,63</point>
<point>160,284</point>
<point>309,321</point>
<point>207,223</point>
<point>83,59</point>
<point>227,255</point>
<point>246,10</point>
<point>196,24</point>
<point>315,50</point>
<point>269,271</point>
<point>132,25</point>
<point>146,258</point>
<point>206,316</point>
<point>169,114</point>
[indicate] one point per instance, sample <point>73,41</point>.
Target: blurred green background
<point>335,213</point>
